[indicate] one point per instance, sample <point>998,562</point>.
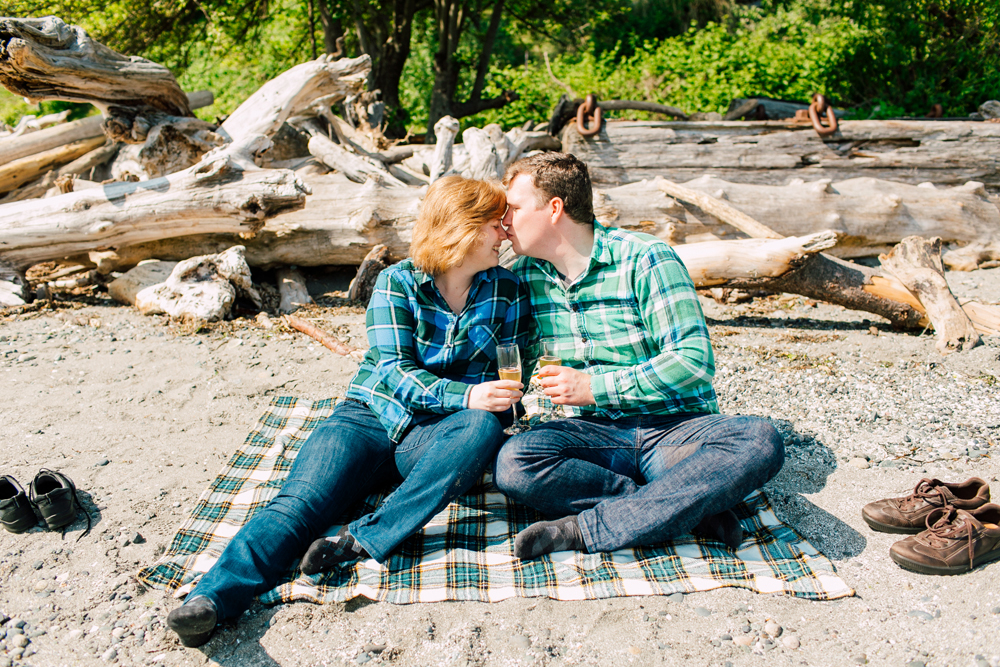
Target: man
<point>646,456</point>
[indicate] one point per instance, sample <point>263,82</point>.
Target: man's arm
<point>672,315</point>
<point>390,323</point>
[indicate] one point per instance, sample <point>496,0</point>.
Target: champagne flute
<point>509,361</point>
<point>549,358</point>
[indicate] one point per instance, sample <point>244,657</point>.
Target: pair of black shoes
<point>52,493</point>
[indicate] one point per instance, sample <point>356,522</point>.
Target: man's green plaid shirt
<point>423,357</point>
<point>632,320</point>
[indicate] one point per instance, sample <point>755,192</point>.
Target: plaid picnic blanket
<point>465,552</point>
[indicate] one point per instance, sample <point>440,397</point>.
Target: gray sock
<point>545,537</point>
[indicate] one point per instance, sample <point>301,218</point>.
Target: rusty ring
<point>589,107</point>
<point>819,106</point>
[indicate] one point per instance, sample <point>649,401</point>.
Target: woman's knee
<point>477,427</point>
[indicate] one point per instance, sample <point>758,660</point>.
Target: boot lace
<point>925,491</point>
<point>952,524</point>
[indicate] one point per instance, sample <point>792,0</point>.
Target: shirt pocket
<point>616,330</point>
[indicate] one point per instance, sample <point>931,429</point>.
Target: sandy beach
<point>141,413</point>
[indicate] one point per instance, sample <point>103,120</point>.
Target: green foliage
<point>790,53</point>
<point>879,59</point>
<point>915,53</point>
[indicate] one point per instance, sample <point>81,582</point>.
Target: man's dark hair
<point>558,175</point>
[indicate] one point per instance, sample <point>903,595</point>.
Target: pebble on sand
<point>790,641</point>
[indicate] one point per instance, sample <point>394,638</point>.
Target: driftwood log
<point>916,262</point>
<point>17,173</point>
<point>353,166</point>
<point>223,193</point>
<point>869,215</point>
<point>298,91</point>
<point>46,59</point>
<point>774,152</point>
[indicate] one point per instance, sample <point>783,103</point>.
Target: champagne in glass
<point>549,356</point>
<point>509,361</point>
<point>511,373</point>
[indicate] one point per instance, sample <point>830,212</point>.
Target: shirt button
<point>575,307</point>
<point>584,338</point>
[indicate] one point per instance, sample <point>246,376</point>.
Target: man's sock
<point>326,552</point>
<point>545,537</point>
<point>194,621</point>
<point>724,527</point>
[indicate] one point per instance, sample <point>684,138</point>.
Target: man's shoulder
<point>625,244</point>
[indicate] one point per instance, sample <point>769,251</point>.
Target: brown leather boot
<point>955,541</point>
<point>907,514</point>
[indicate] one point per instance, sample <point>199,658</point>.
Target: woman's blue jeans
<point>639,480</point>
<point>346,458</point>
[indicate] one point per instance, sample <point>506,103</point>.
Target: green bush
<point>790,54</point>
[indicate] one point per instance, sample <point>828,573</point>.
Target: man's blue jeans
<point>639,480</point>
<point>347,457</point>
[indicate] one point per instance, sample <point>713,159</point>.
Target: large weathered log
<point>719,209</point>
<point>297,92</point>
<point>718,262</point>
<point>870,215</point>
<point>916,262</point>
<point>223,193</point>
<point>46,59</point>
<point>774,152</point>
<point>342,221</point>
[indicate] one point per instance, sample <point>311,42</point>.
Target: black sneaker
<point>54,494</point>
<point>16,514</point>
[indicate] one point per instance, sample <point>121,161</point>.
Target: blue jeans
<point>346,458</point>
<point>639,480</point>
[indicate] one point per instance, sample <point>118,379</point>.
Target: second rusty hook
<point>590,107</point>
<point>819,107</point>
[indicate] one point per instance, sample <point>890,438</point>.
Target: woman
<point>422,406</point>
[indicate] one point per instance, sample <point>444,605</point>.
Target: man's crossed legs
<point>635,481</point>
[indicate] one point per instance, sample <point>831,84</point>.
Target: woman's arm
<point>391,321</point>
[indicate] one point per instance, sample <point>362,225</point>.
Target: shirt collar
<point>426,280</point>
<point>601,253</point>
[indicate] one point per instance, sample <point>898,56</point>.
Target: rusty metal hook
<point>590,107</point>
<point>820,106</point>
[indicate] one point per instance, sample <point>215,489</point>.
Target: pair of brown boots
<point>954,527</point>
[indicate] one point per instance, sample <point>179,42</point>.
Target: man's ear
<point>556,206</point>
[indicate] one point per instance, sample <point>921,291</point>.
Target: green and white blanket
<point>465,552</point>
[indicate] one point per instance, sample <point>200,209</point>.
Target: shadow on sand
<point>808,464</point>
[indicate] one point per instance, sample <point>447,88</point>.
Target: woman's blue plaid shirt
<point>423,357</point>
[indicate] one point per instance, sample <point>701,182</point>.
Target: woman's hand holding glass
<point>495,396</point>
